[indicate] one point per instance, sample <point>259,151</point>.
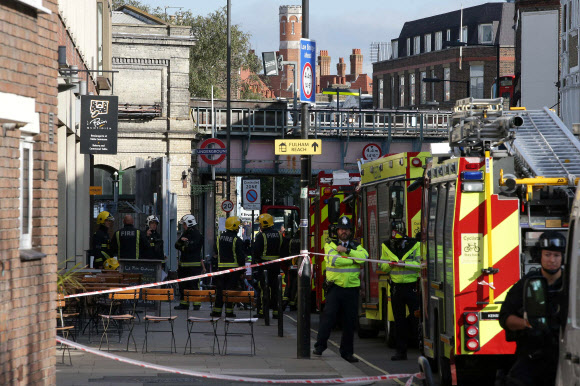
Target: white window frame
<point>26,238</point>
<point>448,35</point>
<point>402,90</point>
<point>395,49</point>
<point>408,46</point>
<point>446,85</point>
<point>480,33</point>
<point>463,34</point>
<point>423,96</point>
<point>427,42</point>
<point>292,27</point>
<point>393,91</point>
<point>412,89</point>
<point>417,45</point>
<point>283,27</point>
<point>433,86</point>
<point>438,40</point>
<point>475,91</point>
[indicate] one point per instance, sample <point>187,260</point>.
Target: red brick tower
<point>324,62</point>
<point>341,68</point>
<point>356,63</point>
<point>290,35</point>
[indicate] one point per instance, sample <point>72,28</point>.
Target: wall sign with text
<point>99,121</point>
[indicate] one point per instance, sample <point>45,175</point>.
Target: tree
<point>208,57</point>
<point>286,187</point>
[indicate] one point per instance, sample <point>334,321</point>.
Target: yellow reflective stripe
<point>190,264</point>
<point>227,265</point>
<point>265,247</point>
<point>394,272</point>
<point>234,249</point>
<point>328,269</point>
<point>118,245</point>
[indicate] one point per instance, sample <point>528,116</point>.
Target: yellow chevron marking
<point>505,237</point>
<point>469,202</point>
<point>488,329</point>
<point>323,212</point>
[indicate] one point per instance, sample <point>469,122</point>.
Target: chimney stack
<point>324,63</point>
<point>341,68</point>
<point>356,63</point>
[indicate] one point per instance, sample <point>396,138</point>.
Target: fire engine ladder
<point>544,145</point>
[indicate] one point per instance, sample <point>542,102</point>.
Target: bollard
<point>280,308</point>
<point>266,299</point>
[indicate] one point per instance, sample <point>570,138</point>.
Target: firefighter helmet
<point>233,223</point>
<point>111,263</point>
<point>104,216</point>
<point>151,218</point>
<point>344,223</point>
<point>266,220</point>
<point>188,220</point>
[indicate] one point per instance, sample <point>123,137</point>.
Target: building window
<point>292,28</point>
<point>564,19</point>
<point>476,81</point>
<point>408,46</point>
<point>395,49</point>
<point>485,34</point>
<point>573,52</point>
<point>448,38</point>
<point>447,85</point>
<point>401,90</point>
<point>412,89</point>
<point>464,34</point>
<point>417,45</point>
<point>433,86</point>
<point>423,87</point>
<point>438,40</point>
<point>26,194</point>
<point>428,43</point>
<point>392,92</point>
<point>283,27</point>
<point>381,83</point>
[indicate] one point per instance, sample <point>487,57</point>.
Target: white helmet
<point>151,218</point>
<point>188,220</point>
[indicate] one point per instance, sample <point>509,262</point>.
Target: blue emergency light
<point>472,176</point>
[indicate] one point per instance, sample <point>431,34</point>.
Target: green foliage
<point>67,279</point>
<point>286,187</point>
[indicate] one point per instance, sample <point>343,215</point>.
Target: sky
<point>336,25</point>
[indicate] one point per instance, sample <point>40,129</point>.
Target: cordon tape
<point>200,374</point>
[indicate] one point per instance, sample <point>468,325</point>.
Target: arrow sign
<point>298,146</point>
<point>314,146</point>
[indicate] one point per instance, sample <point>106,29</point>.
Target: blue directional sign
<point>211,151</point>
<point>308,70</point>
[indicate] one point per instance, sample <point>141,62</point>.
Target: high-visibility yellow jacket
<point>340,270</point>
<point>407,273</point>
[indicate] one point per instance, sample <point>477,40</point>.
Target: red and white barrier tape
<point>200,374</point>
<point>148,285</point>
<point>483,282</point>
<point>306,258</point>
<point>371,260</point>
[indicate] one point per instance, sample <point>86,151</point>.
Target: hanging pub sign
<point>99,118</point>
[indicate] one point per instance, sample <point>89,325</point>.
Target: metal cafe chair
<point>201,296</point>
<point>161,295</point>
<point>239,297</point>
<point>117,299</point>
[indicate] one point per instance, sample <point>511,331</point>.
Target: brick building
<point>354,80</point>
<point>28,187</point>
<point>419,53</point>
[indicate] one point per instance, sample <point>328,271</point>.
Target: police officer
<point>404,265</point>
<point>101,241</point>
<point>266,247</point>
<point>230,254</point>
<point>291,247</point>
<point>129,242</point>
<point>190,260</point>
<point>154,238</point>
<point>537,349</point>
<point>342,291</point>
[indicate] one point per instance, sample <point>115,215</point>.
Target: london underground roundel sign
<point>219,149</point>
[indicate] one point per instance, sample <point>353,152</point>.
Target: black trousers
<point>228,281</point>
<point>537,371</point>
<point>404,294</point>
<point>272,288</point>
<point>343,301</point>
<point>291,292</point>
<point>190,284</point>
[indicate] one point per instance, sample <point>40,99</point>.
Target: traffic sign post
<point>204,150</point>
<point>298,146</point>
<point>308,71</point>
<point>227,206</point>
<point>251,194</point>
<point>371,152</point>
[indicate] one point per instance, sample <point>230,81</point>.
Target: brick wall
<point>28,288</point>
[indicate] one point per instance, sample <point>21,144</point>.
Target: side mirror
<point>333,210</point>
<point>416,184</point>
<point>536,301</point>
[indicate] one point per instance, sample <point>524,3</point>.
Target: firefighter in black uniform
<point>266,247</point>
<point>101,241</point>
<point>291,247</point>
<point>190,261</point>
<point>154,239</point>
<point>129,242</point>
<point>537,348</point>
<point>230,253</point>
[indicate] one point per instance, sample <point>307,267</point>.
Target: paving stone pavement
<point>276,357</point>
